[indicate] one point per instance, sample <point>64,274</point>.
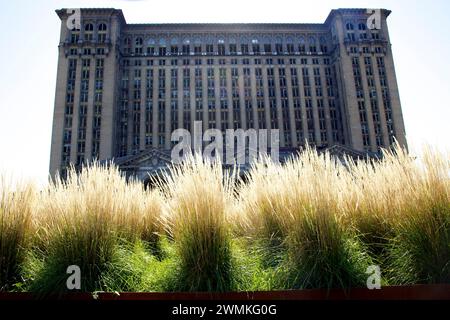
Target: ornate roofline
<point>227,27</point>
<point>351,11</point>
<point>62,13</point>
<point>129,160</point>
<point>221,27</point>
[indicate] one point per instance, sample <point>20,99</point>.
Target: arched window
<point>323,45</point>
<point>302,45</point>
<point>138,45</point>
<point>150,43</point>
<point>174,46</point>
<point>350,34</point>
<point>101,33</point>
<point>278,45</point>
<point>312,45</point>
<point>255,46</point>
<point>290,45</point>
<point>362,26</point>
<point>88,32</point>
<point>162,50</point>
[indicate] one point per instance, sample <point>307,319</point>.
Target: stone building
<point>122,88</point>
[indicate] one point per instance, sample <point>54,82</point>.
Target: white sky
<point>29,36</point>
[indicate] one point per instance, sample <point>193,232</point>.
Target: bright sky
<point>419,31</point>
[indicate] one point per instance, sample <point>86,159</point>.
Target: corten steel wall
<point>414,292</point>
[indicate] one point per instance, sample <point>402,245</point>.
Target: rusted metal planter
<point>414,292</point>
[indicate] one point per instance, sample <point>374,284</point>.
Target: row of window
<point>209,62</point>
<point>361,26</point>
<point>87,51</point>
<point>373,102</point>
<point>365,49</point>
<point>137,82</point>
<point>81,131</point>
<point>90,27</point>
<point>139,41</point>
<point>133,99</point>
<point>363,36</point>
<point>327,130</point>
<point>221,49</point>
<point>88,34</point>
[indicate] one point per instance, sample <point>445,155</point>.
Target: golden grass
<point>198,194</point>
<point>16,205</point>
<point>317,222</point>
<point>81,221</point>
<point>396,208</point>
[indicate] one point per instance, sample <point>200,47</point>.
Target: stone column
<point>291,106</point>
<point>278,99</point>
<point>168,115</point>
<point>373,145</point>
<point>90,110</point>
<point>76,112</point>
<point>143,112</point>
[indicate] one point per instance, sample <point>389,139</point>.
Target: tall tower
<point>366,74</point>
<point>86,86</point>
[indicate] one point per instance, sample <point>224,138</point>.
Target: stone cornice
<point>62,13</point>
<point>223,27</point>
<point>351,11</point>
<point>227,27</point>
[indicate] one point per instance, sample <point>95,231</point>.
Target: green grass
<point>196,220</point>
<point>420,252</point>
<point>136,269</point>
<point>336,261</point>
<point>311,223</point>
<point>15,230</point>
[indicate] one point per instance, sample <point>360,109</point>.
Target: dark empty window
<point>186,49</point>
<point>279,48</point>
<point>221,49</point>
<point>233,49</point>
<point>244,48</point>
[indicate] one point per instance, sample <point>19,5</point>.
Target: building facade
<point>122,89</point>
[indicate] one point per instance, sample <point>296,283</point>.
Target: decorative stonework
<point>152,161</point>
<point>302,83</point>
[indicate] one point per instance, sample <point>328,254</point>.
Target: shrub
<point>15,228</point>
<point>135,269</point>
<point>198,192</point>
<point>420,251</point>
<point>313,222</point>
<point>84,219</point>
<point>297,209</point>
